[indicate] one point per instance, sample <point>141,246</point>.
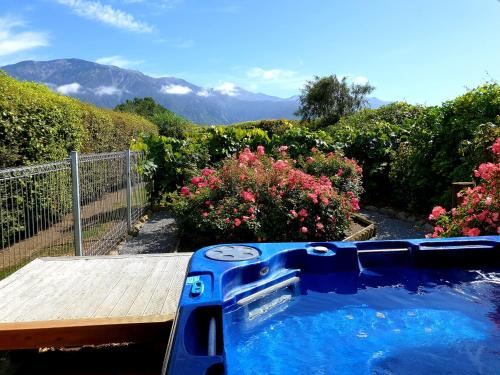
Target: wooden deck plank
<point>70,301</point>
<point>50,295</point>
<point>122,307</point>
<point>161,291</point>
<point>129,274</point>
<point>138,308</point>
<point>171,301</point>
<point>26,289</point>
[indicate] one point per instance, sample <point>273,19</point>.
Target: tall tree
<point>329,98</point>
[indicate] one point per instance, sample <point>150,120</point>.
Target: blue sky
<point>422,51</point>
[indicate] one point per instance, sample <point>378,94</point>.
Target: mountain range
<point>108,86</point>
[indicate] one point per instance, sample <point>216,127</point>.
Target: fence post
<point>75,178</point>
<point>129,191</point>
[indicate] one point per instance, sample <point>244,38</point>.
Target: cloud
<point>116,60</point>
<point>175,89</point>
<point>95,10</point>
<point>12,42</point>
<point>161,3</point>
<point>360,80</point>
<point>271,74</point>
<point>107,90</point>
<point>70,88</point>
<point>227,88</point>
<point>204,93</point>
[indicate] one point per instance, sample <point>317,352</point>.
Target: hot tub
<point>374,307</point>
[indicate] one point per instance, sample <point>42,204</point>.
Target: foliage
<point>171,161</point>
<point>328,99</point>
<point>169,123</point>
<point>38,125</point>
<point>223,142</point>
<point>410,154</point>
<point>300,140</point>
<point>373,136</point>
<point>253,197</point>
<point>443,145</point>
<point>479,211</point>
<point>270,126</point>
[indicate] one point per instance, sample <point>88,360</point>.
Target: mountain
<point>108,86</point>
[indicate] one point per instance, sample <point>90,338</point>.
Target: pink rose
<point>437,212</point>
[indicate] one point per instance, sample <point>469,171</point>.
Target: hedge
<point>38,125</point>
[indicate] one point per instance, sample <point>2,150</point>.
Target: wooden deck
<point>73,301</point>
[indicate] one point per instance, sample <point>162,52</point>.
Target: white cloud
<point>227,88</point>
<point>12,42</point>
<point>203,93</point>
<point>116,60</point>
<point>107,90</point>
<point>175,89</point>
<point>360,80</point>
<point>270,74</point>
<point>95,10</point>
<point>70,88</point>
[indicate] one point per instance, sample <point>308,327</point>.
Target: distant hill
<point>108,86</point>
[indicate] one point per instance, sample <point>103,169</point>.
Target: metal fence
<point>50,210</point>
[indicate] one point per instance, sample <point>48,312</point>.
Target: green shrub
<point>223,141</point>
<point>373,144</point>
<point>444,145</point>
<point>169,123</point>
<point>38,125</point>
<point>171,161</point>
<point>300,141</point>
<point>270,126</point>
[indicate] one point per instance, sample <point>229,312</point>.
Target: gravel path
<point>393,229</point>
<point>158,235</point>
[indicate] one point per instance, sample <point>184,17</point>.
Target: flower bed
<point>254,197</point>
<point>479,210</point>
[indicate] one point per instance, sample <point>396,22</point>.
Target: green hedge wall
<point>38,125</point>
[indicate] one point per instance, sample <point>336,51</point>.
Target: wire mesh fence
<point>37,210</point>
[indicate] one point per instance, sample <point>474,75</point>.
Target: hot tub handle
<point>212,337</point>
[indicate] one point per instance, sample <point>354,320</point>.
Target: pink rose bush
<point>253,197</point>
<point>479,210</point>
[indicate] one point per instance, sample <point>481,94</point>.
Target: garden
<point>282,180</point>
<point>277,180</point>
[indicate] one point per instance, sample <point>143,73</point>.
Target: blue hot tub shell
<point>197,344</point>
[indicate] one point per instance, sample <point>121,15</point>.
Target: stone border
<point>368,232</point>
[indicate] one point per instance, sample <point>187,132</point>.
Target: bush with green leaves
<point>443,145</point>
<point>224,141</point>
<point>38,125</point>
<point>171,161</point>
<point>169,123</point>
<point>373,137</point>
